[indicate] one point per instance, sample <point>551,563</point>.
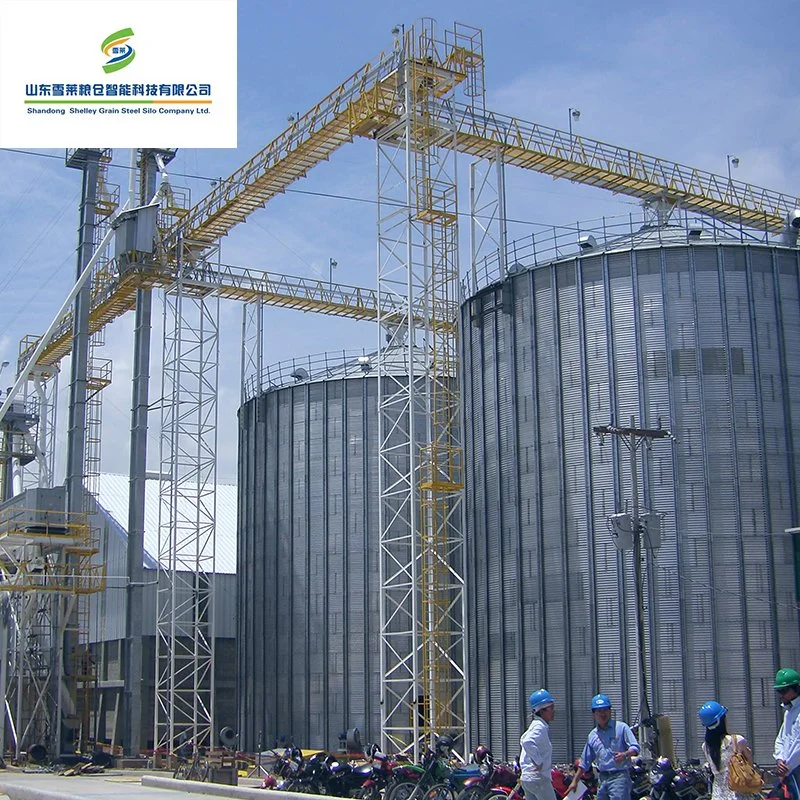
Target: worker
<point>787,743</point>
<point>719,747</point>
<point>609,747</point>
<point>536,759</point>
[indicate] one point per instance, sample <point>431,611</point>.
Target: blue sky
<point>692,82</point>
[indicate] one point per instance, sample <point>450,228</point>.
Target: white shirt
<point>536,759</point>
<point>787,744</point>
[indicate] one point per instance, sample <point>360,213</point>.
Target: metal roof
<point>113,498</point>
<point>549,246</point>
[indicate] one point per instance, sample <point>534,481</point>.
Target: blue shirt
<point>602,743</point>
<point>787,745</point>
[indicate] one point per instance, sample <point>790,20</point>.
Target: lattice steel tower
<point>421,455</point>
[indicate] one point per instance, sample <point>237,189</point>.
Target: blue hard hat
<point>600,701</point>
<point>540,699</point>
<point>711,713</point>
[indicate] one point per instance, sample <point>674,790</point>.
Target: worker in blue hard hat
<point>787,743</point>
<point>536,759</point>
<point>719,747</point>
<point>609,748</point>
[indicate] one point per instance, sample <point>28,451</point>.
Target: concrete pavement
<point>122,785</point>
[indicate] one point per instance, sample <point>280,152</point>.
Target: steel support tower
<point>144,192</point>
<point>421,454</point>
<point>187,511</point>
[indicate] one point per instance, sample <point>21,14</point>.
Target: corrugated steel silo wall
<point>705,339</point>
<point>308,564</point>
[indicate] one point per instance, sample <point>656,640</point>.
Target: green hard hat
<point>787,677</point>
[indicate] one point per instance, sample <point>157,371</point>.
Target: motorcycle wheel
<point>473,793</point>
<point>401,791</point>
<point>368,793</point>
<point>301,787</point>
<point>440,791</point>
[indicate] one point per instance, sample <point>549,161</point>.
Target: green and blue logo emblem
<point>118,50</point>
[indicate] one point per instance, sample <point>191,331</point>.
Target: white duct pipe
<point>45,340</point>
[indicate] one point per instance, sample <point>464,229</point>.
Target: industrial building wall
<point>308,564</point>
<point>107,618</point>
<point>108,608</point>
<point>706,340</point>
<point>108,701</point>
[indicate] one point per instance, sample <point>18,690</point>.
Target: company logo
<point>120,53</point>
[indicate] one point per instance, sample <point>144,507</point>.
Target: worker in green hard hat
<point>787,743</point>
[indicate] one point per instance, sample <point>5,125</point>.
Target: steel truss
<point>421,455</point>
<point>46,569</point>
<point>252,343</point>
<point>487,197</point>
<point>41,391</point>
<point>187,511</point>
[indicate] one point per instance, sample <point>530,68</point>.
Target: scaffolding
<point>47,565</point>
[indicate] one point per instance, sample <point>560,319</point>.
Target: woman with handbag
<point>728,756</point>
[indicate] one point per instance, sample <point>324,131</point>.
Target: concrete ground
<point>122,785</point>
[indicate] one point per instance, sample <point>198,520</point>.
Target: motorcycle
<point>492,775</point>
<point>413,781</point>
<point>383,772</point>
<point>685,783</point>
<point>343,779</point>
<point>640,779</point>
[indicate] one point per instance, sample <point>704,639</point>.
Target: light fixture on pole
<point>574,114</point>
<point>733,161</point>
<point>332,264</point>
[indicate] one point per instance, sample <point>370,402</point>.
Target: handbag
<point>743,777</point>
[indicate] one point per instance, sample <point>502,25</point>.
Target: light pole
<point>574,114</point>
<point>331,267</point>
<point>633,438</point>
<point>733,161</point>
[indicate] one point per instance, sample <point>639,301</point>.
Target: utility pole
<point>633,438</point>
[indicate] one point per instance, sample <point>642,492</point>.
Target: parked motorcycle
<point>689,782</point>
<point>492,775</point>
<point>412,781</point>
<point>384,771</point>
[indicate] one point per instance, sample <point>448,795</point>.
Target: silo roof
<point>336,365</point>
<point>556,244</point>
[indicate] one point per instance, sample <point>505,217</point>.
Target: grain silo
<point>677,326</point>
<point>309,590</point>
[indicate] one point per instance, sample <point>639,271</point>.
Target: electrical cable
<point>352,198</point>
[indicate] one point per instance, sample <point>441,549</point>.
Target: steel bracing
<point>421,454</point>
<point>422,102</point>
<point>52,670</point>
<point>487,213</point>
<point>47,567</point>
<point>40,392</point>
<point>187,513</point>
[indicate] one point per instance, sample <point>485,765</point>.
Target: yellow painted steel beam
<point>356,106</point>
<point>117,294</point>
<point>554,152</point>
<point>365,102</point>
